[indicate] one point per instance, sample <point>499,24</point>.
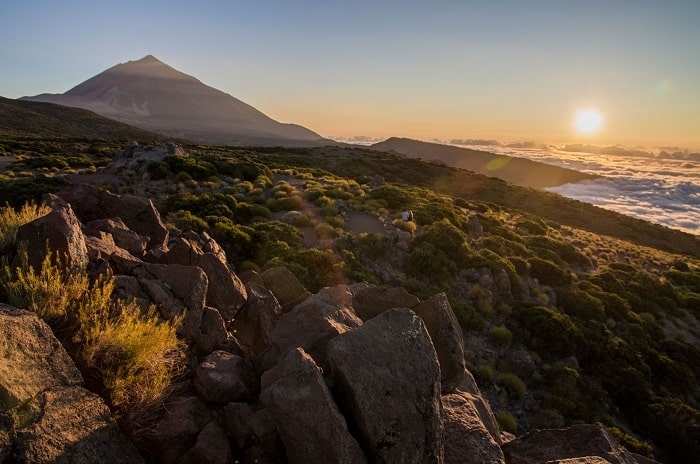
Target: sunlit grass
<point>11,219</point>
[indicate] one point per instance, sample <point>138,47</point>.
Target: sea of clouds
<point>661,187</point>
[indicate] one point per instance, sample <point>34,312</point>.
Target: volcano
<point>149,94</point>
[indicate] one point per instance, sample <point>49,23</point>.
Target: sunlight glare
<point>588,121</point>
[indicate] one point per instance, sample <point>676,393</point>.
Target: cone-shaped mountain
<point>148,93</point>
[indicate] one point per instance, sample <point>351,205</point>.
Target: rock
<point>285,286</point>
<point>69,425</point>
<point>31,358</point>
<point>138,213</point>
<point>583,460</point>
<point>177,430</point>
<point>469,390</point>
<point>519,362</point>
<point>239,418</point>
<point>291,216</point>
<point>211,447</point>
<point>466,437</point>
<point>212,332</point>
<point>310,325</point>
<point>225,292</point>
<point>447,338</point>
<point>123,237</point>
<point>371,301</point>
<point>578,441</point>
<point>254,324</point>
<point>225,377</point>
<point>101,245</point>
<point>59,231</point>
<point>268,447</point>
<point>388,376</point>
<point>312,428</point>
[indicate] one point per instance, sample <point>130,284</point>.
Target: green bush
<point>501,336</point>
<point>549,273</point>
<point>513,384</point>
<point>506,421</point>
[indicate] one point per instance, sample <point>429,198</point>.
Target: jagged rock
<point>225,377</point>
<point>177,430</point>
<point>101,245</point>
<point>312,428</point>
<point>268,447</point>
<point>123,236</point>
<point>253,326</point>
<point>59,231</point>
<point>128,288</point>
<point>239,418</point>
<point>212,332</point>
<point>139,214</point>
<point>285,286</point>
<point>310,325</point>
<point>466,437</point>
<point>371,301</point>
<point>447,338</point>
<point>387,373</point>
<point>583,460</point>
<point>225,292</point>
<point>31,358</point>
<point>6,436</point>
<point>211,447</point>
<point>469,390</point>
<point>69,425</point>
<point>188,284</point>
<point>578,441</point>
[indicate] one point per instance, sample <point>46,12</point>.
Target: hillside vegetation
<point>571,313</point>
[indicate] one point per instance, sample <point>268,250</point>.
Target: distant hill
<point>149,94</point>
<point>27,119</point>
<point>518,171</point>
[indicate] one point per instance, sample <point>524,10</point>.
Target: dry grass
<point>11,220</point>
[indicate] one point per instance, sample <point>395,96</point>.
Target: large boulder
<point>254,324</point>
<point>447,338</point>
<point>46,416</point>
<point>60,234</point>
<point>31,358</point>
<point>387,374</point>
<point>370,301</point>
<point>470,392</point>
<point>212,333</point>
<point>177,430</point>
<point>138,213</point>
<point>578,441</point>
<point>312,428</point>
<point>69,425</point>
<point>211,447</point>
<point>285,286</point>
<point>226,292</point>
<point>122,236</point>
<point>225,377</point>
<point>310,325</point>
<point>466,437</point>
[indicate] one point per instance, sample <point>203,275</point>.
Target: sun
<point>588,121</point>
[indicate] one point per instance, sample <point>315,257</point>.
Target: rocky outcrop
<point>311,426</point>
<point>60,232</point>
<point>257,319</point>
<point>576,442</point>
<point>225,377</point>
<point>446,335</point>
<point>177,429</point>
<point>285,286</point>
<point>46,416</point>
<point>371,301</point>
<point>388,378</point>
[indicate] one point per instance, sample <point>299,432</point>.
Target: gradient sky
<point>506,69</point>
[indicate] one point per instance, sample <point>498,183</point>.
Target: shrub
<point>408,226</point>
<point>549,273</point>
<point>513,384</point>
<point>506,421</point>
<point>485,373</point>
<point>501,336</point>
<point>11,220</point>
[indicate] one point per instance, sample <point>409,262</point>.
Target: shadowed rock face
<point>149,94</point>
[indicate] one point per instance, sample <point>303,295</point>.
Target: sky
<point>508,70</point>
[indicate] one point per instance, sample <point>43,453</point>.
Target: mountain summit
<point>149,94</point>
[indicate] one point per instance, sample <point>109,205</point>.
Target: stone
<point>239,417</point>
<point>519,362</point>
<point>469,390</point>
<point>447,338</point>
<point>225,377</point>
<point>69,425</point>
<point>285,286</point>
<point>311,427</point>
<point>310,325</point>
<point>31,358</point>
<point>387,375</point>
<point>466,437</point>
<point>59,231</point>
<point>370,301</point>
<point>211,447</point>
<point>122,236</point>
<point>253,326</point>
<point>177,430</point>
<point>578,441</point>
<point>138,213</point>
<point>212,332</point>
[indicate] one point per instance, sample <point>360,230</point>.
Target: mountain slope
<point>27,119</point>
<point>519,171</point>
<point>150,94</point>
